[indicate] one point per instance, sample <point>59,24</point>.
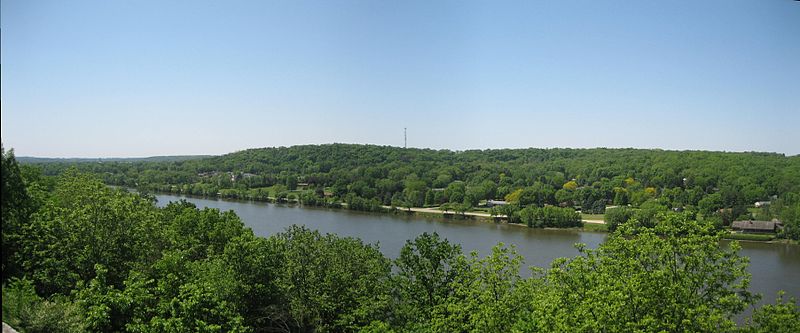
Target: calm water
<point>773,266</point>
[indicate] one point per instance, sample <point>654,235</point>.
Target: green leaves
<point>85,223</point>
<point>781,317</point>
<point>426,268</point>
<point>550,217</point>
<point>109,261</point>
<point>327,282</point>
<point>675,277</point>
<point>24,309</point>
<point>196,309</point>
<point>16,206</point>
<point>486,296</point>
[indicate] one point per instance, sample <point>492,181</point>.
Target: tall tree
<point>16,206</point>
<point>426,268</point>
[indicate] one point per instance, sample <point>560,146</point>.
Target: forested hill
<point>656,168</point>
<point>366,177</point>
<point>756,176</point>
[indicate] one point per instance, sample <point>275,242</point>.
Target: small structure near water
<point>760,204</point>
<point>757,226</point>
<point>492,203</point>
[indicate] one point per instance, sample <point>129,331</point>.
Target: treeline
<point>80,256</point>
<point>716,185</point>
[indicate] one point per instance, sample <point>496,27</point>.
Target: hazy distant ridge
<point>33,160</point>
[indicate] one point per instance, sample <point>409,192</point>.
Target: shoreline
<point>596,225</point>
<point>415,211</point>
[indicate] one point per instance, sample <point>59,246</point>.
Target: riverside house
<point>757,226</point>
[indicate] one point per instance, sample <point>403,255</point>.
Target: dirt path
<point>437,211</point>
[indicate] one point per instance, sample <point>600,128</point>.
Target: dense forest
<point>81,256</point>
<point>718,187</point>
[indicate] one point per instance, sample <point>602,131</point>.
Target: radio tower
<point>405,138</point>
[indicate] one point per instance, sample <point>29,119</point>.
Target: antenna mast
<point>405,138</point>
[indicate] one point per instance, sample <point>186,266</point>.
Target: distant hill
<point>41,160</point>
<point>702,181</point>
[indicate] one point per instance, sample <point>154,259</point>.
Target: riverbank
<point>590,225</point>
<point>759,238</point>
<point>427,212</point>
<point>750,237</point>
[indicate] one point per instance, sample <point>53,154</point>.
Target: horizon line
<point>401,147</point>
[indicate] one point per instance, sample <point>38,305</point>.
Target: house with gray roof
<point>751,226</point>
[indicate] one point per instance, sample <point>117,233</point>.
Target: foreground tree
<point>781,317</point>
<point>427,267</point>
<point>16,207</point>
<point>23,308</point>
<point>674,278</point>
<point>84,223</point>
<point>329,283</point>
<point>486,295</point>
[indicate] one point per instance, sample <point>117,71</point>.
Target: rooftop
<point>755,225</point>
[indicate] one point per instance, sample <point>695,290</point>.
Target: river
<point>774,267</point>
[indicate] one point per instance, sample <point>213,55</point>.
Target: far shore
<point>475,214</point>
<point>435,212</point>
<point>414,210</point>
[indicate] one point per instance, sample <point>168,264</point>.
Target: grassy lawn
<point>752,237</point>
<point>595,227</point>
<point>601,217</point>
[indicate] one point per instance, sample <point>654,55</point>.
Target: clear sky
<point>144,78</point>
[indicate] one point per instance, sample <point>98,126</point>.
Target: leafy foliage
<point>93,258</point>
<point>781,317</point>
<point>330,283</point>
<point>427,268</point>
<point>550,217</point>
<point>16,207</point>
<point>624,285</point>
<point>22,307</point>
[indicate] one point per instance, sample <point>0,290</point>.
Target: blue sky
<point>144,78</point>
